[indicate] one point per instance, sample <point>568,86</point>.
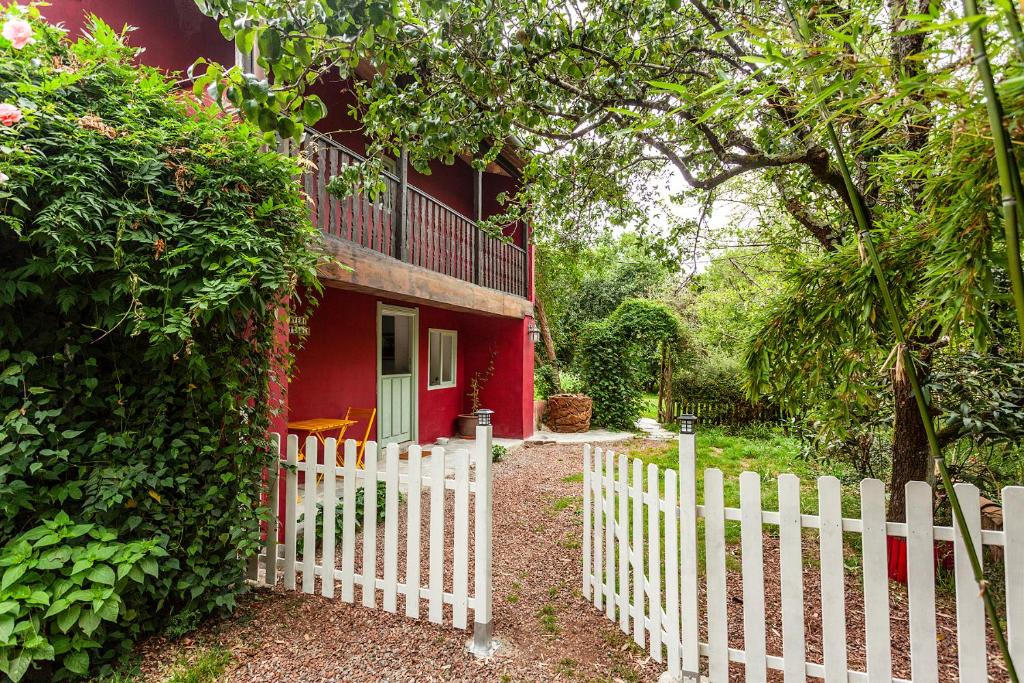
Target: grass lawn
<point>650,406</point>
<point>766,451</point>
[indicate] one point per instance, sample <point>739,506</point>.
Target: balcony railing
<point>432,235</point>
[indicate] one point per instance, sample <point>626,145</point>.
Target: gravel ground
<point>546,630</point>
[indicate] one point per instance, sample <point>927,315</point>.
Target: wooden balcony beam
<point>379,275</point>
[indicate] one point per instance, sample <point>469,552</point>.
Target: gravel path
<point>546,630</point>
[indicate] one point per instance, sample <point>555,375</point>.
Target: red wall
<point>337,366</point>
<point>174,32</point>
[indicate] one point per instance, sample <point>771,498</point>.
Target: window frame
<point>441,335</point>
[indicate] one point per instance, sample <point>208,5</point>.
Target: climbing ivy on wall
<point>147,246</point>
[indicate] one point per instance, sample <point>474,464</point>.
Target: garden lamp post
<point>688,424</point>
<point>483,643</point>
<point>688,546</point>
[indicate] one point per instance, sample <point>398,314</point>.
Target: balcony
<point>410,226</point>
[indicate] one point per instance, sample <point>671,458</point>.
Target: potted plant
<point>467,422</point>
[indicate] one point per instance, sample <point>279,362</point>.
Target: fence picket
<point>412,534</point>
<point>791,570</point>
<point>672,573</point>
<point>752,548</point>
<point>587,567</point>
<point>714,565</point>
<point>833,584</point>
<point>270,540</point>
<point>370,525</point>
<point>970,609</point>
<point>460,566</point>
<point>638,610</point>
<point>876,581</point>
<point>348,522</point>
<point>622,527</point>
<point>391,529</point>
<point>1013,560</point>
<point>599,504</point>
<point>921,582</point>
<point>291,498</point>
<point>654,561</point>
<point>330,509</point>
<point>309,516</point>
<point>437,458</point>
<point>609,534</point>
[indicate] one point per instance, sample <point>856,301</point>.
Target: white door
<point>396,374</point>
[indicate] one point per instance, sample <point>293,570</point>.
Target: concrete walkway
<point>654,431</point>
<point>593,436</point>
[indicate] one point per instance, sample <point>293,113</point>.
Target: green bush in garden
<point>613,358</point>
<point>147,246</point>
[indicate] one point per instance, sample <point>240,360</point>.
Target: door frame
<point>414,343</point>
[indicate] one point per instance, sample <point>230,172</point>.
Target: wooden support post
<point>478,211</point>
<point>402,207</point>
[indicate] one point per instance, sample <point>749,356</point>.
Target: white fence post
<point>688,600</point>
<point>483,644</point>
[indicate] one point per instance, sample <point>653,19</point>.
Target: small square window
<point>442,366</point>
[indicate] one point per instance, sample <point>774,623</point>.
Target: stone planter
<point>569,413</point>
<point>466,426</point>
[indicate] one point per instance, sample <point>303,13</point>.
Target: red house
<point>429,299</point>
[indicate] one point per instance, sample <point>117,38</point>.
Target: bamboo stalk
<point>1009,175</point>
<point>1013,22</point>
<point>861,215</point>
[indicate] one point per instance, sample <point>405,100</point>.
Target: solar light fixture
<point>688,424</point>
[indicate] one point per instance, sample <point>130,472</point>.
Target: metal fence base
<point>482,645</point>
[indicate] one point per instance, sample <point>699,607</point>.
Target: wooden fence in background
<point>715,413</point>
<point>627,519</point>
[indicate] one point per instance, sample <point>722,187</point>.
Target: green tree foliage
<point>148,246</point>
<point>609,95</point>
<point>580,283</point>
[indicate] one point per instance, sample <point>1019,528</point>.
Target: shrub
<point>613,358</point>
<point>609,373</point>
<point>546,380</point>
<point>339,514</point>
<point>498,452</point>
<point>147,246</point>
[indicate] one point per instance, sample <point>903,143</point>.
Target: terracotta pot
<point>569,412</point>
<point>466,426</point>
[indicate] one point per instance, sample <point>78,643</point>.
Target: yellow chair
<point>356,415</point>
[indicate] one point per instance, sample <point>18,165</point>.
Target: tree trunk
<point>545,332</point>
<point>910,456</point>
<point>665,386</point>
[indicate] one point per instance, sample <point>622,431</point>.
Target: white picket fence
<point>333,559</point>
<point>659,603</point>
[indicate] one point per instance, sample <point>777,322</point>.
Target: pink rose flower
<point>9,114</point>
<point>19,32</point>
